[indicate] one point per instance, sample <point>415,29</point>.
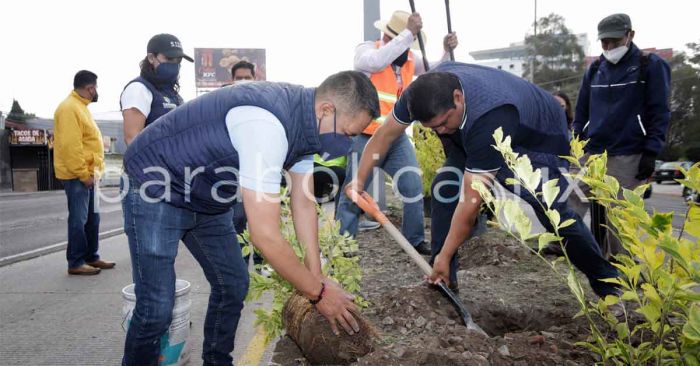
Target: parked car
<point>670,171</point>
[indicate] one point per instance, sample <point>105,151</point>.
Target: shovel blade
<point>461,309</point>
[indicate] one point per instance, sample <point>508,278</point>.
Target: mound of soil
<point>511,294</point>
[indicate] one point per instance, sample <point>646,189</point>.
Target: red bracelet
<point>320,295</point>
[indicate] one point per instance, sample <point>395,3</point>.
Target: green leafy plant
<point>430,154</point>
<point>335,265</point>
<point>659,278</point>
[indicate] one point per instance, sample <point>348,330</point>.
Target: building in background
<point>514,58</point>
<point>26,153</point>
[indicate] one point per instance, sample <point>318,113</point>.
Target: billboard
<point>212,66</point>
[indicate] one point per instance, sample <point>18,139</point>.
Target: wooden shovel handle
<point>367,204</point>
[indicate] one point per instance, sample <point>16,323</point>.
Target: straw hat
<point>396,24</point>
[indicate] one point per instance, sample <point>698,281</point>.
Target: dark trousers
<point>83,224</point>
<point>579,243</point>
<point>328,181</point>
<point>154,231</point>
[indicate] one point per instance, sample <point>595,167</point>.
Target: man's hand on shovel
<point>441,271</point>
<point>366,203</point>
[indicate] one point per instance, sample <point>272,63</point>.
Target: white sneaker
<point>367,225</point>
<point>266,272</point>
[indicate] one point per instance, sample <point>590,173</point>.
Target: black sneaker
<point>553,249</point>
<point>423,248</point>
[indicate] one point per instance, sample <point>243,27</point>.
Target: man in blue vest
<point>471,102</point>
<point>622,108</point>
<point>185,171</point>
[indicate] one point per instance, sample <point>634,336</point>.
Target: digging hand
<point>441,271</point>
<point>353,186</point>
<point>336,305</point>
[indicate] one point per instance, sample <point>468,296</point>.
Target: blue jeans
<point>401,155</point>
<point>154,231</point>
<point>83,224</point>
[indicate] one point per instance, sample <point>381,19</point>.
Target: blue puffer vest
<point>542,133</point>
<point>192,146</point>
<point>164,100</point>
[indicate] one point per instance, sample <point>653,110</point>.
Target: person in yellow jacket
<point>78,162</point>
<point>391,65</point>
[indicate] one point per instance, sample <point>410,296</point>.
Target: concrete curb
<point>51,249</point>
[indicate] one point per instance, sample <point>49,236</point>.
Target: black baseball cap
<point>168,45</point>
<point>614,26</point>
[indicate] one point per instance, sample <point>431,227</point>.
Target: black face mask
<point>94,98</point>
<point>334,144</point>
<point>401,59</point>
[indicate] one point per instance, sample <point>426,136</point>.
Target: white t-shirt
<point>136,95</point>
<point>261,143</point>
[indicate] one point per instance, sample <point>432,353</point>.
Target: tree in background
<point>683,137</point>
<point>17,114</point>
<point>558,56</point>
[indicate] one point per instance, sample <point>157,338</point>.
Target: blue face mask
<point>333,144</point>
<point>167,72</point>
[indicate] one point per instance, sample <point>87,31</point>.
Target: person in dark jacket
<point>469,103</point>
<point>185,171</point>
<point>622,108</point>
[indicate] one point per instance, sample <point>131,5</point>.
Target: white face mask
<point>615,55</point>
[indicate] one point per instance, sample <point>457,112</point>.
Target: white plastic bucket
<point>175,345</point>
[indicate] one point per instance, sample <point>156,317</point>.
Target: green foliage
<point>660,278</point>
<point>17,114</point>
<point>429,153</point>
<point>558,56</point>
<point>683,136</point>
<point>335,265</point>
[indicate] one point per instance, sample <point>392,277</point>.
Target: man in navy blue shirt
<point>467,103</point>
<point>622,108</point>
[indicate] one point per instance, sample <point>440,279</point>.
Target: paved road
<point>50,318</point>
<point>666,197</point>
<point>34,220</point>
<point>31,221</point>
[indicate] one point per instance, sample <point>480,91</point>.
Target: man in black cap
<point>155,92</point>
<point>623,108</point>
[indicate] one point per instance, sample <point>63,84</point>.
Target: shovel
<point>420,40</point>
<point>449,26</point>
<point>367,204</point>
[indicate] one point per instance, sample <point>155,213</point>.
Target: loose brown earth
<point>527,312</point>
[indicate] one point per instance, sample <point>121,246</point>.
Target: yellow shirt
<point>78,146</point>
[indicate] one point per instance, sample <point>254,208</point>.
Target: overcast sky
<point>45,42</point>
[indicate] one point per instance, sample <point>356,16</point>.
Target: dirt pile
<point>526,311</point>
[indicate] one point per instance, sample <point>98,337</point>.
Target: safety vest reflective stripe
<point>341,161</point>
<point>387,97</point>
<point>388,89</point>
